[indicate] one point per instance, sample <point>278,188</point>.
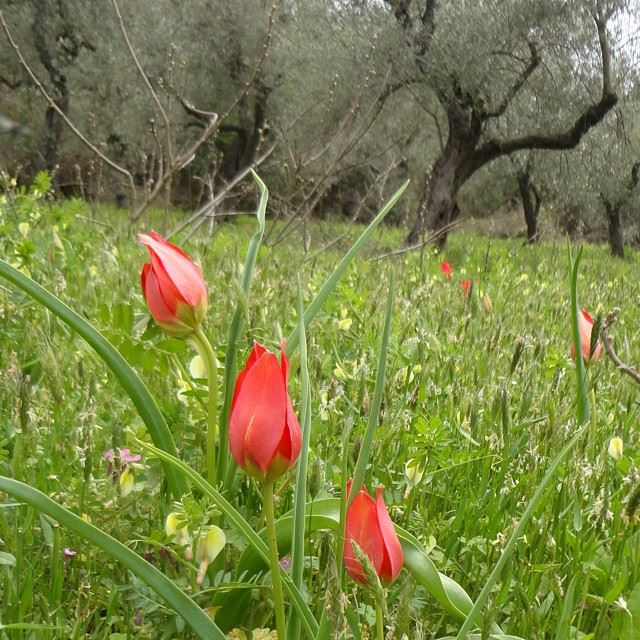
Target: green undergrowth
<point>480,395</point>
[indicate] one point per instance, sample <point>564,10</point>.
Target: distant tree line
<point>335,103</point>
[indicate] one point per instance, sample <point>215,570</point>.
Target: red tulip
<point>368,525</point>
<point>585,327</point>
<point>264,433</point>
<point>446,269</point>
<point>173,287</point>
<point>466,286</point>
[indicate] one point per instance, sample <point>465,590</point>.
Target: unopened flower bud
<point>209,546</point>
<point>197,368</point>
<point>126,482</point>
<point>616,448</point>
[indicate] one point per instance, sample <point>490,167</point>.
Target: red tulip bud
<point>264,433</point>
<point>585,326</point>
<point>368,525</point>
<point>173,287</point>
<point>446,269</point>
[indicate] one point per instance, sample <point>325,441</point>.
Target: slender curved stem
<point>211,363</point>
<point>270,520</point>
<point>379,622</point>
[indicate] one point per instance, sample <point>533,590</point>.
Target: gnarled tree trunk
<point>616,237</point>
<point>531,202</point>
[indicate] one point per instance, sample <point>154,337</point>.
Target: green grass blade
<point>374,415</point>
<point>226,464</point>
<point>297,547</point>
<point>517,534</point>
<point>334,278</point>
<point>135,388</point>
<point>184,606</point>
<point>582,389</point>
<point>242,526</point>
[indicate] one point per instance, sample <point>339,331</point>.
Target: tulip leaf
<point>238,522</point>
<point>297,546</point>
<point>334,278</point>
<point>184,606</point>
<point>135,388</point>
<point>582,390</point>
<point>226,465</point>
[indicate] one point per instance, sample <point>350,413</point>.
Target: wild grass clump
<point>478,399</point>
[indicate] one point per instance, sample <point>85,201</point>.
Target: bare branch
<point>146,81</point>
<point>256,74</point>
<point>52,103</point>
<point>608,346</point>
<point>184,159</point>
<point>567,139</point>
<point>534,62</point>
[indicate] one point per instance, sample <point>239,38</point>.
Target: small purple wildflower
<point>69,553</point>
<point>285,562</point>
<point>108,455</point>
<point>127,456</point>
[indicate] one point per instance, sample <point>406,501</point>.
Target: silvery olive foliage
<point>353,94</point>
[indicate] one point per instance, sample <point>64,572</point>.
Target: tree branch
<point>568,139</point>
<point>534,62</point>
<point>419,37</point>
<point>146,81</point>
<point>116,167</point>
<point>608,347</point>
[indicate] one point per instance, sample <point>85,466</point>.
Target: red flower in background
<point>466,286</point>
<point>368,525</point>
<point>264,434</point>
<point>446,269</point>
<point>585,328</point>
<point>173,287</point>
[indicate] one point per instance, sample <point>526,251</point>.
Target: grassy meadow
<point>480,395</point>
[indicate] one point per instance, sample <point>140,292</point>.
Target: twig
<point>52,103</point>
<point>608,346</point>
<point>419,245</point>
<point>146,80</point>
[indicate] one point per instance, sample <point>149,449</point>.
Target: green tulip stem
<point>379,622</point>
<point>276,580</point>
<point>211,363</point>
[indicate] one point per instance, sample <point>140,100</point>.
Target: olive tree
<point>507,76</point>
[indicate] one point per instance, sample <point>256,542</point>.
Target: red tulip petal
<point>160,310</point>
<point>362,527</point>
<point>180,270</point>
<point>393,550</point>
<point>293,435</point>
<point>586,316</point>
<point>258,417</point>
<point>256,352</point>
<point>284,362</point>
<point>585,328</point>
